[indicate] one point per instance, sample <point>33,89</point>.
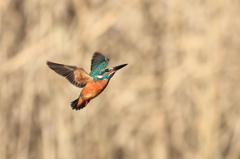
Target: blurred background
<point>178,98</point>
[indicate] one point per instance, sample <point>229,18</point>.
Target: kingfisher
<point>93,83</point>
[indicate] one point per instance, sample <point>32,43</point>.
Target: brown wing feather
<point>76,75</point>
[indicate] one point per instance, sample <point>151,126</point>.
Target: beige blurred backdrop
<point>178,98</point>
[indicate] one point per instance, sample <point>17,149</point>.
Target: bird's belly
<point>93,89</point>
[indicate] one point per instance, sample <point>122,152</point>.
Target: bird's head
<point>110,71</point>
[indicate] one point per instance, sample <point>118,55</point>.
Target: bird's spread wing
<point>99,63</point>
<point>76,75</point>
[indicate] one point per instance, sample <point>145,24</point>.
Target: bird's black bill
<point>115,68</point>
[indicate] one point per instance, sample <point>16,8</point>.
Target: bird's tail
<point>79,103</point>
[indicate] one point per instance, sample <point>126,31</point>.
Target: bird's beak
<point>115,68</point>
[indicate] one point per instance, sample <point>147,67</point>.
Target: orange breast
<point>93,89</point>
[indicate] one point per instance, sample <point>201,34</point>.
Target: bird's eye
<point>109,69</point>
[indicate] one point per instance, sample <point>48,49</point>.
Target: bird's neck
<point>101,77</point>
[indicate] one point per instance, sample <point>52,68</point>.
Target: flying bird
<point>93,83</point>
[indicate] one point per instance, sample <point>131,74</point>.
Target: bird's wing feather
<point>76,75</point>
<point>99,63</point>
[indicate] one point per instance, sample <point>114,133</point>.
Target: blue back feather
<point>99,63</point>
